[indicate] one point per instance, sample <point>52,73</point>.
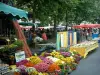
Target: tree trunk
<point>55,25</point>
<point>66,18</point>
<point>33,16</point>
<point>34,11</point>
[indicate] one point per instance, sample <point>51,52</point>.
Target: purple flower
<point>22,68</point>
<point>66,54</point>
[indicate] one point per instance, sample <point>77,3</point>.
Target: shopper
<point>86,34</point>
<point>44,36</point>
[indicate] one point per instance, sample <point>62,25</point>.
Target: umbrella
<point>26,24</point>
<point>87,26</point>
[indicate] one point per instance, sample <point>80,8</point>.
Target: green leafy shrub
<point>12,47</point>
<point>19,43</point>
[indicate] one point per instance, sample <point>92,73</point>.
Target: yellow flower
<point>40,73</point>
<point>35,59</point>
<point>59,56</point>
<point>33,73</point>
<point>68,60</point>
<point>45,74</point>
<point>42,54</point>
<point>55,53</point>
<point>59,62</point>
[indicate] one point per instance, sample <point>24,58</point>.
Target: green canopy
<point>26,24</point>
<point>13,11</point>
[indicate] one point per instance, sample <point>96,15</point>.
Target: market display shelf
<point>91,48</point>
<point>97,39</point>
<point>44,45</point>
<point>84,48</point>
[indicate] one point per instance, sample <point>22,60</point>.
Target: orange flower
<point>53,67</point>
<point>29,64</point>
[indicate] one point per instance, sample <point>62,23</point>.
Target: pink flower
<point>22,62</point>
<point>41,57</point>
<point>47,61</point>
<point>41,67</point>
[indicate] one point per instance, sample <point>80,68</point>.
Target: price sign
<point>20,56</point>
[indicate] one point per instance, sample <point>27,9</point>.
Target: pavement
<point>90,65</point>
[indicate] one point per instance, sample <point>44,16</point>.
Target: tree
<point>70,11</point>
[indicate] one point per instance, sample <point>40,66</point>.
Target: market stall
<point>25,27</point>
<point>8,17</point>
<point>12,39</point>
<point>85,47</point>
<point>90,29</point>
<point>94,27</point>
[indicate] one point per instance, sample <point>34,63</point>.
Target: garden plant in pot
<point>19,44</point>
<point>6,52</point>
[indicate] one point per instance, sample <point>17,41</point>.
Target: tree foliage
<point>70,11</point>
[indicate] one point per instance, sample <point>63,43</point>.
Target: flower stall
<point>10,31</point>
<point>85,47</point>
<point>9,27</point>
<point>54,63</point>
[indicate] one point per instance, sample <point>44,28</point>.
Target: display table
<point>97,39</point>
<point>84,48</point>
<point>47,44</point>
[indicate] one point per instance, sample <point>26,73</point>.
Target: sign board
<point>20,56</point>
<point>75,38</point>
<point>65,39</point>
<point>62,40</point>
<point>58,42</point>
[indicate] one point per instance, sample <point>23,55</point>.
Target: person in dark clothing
<point>48,34</point>
<point>78,36</point>
<point>86,34</point>
<point>38,32</point>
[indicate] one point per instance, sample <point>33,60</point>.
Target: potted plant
<point>19,44</point>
